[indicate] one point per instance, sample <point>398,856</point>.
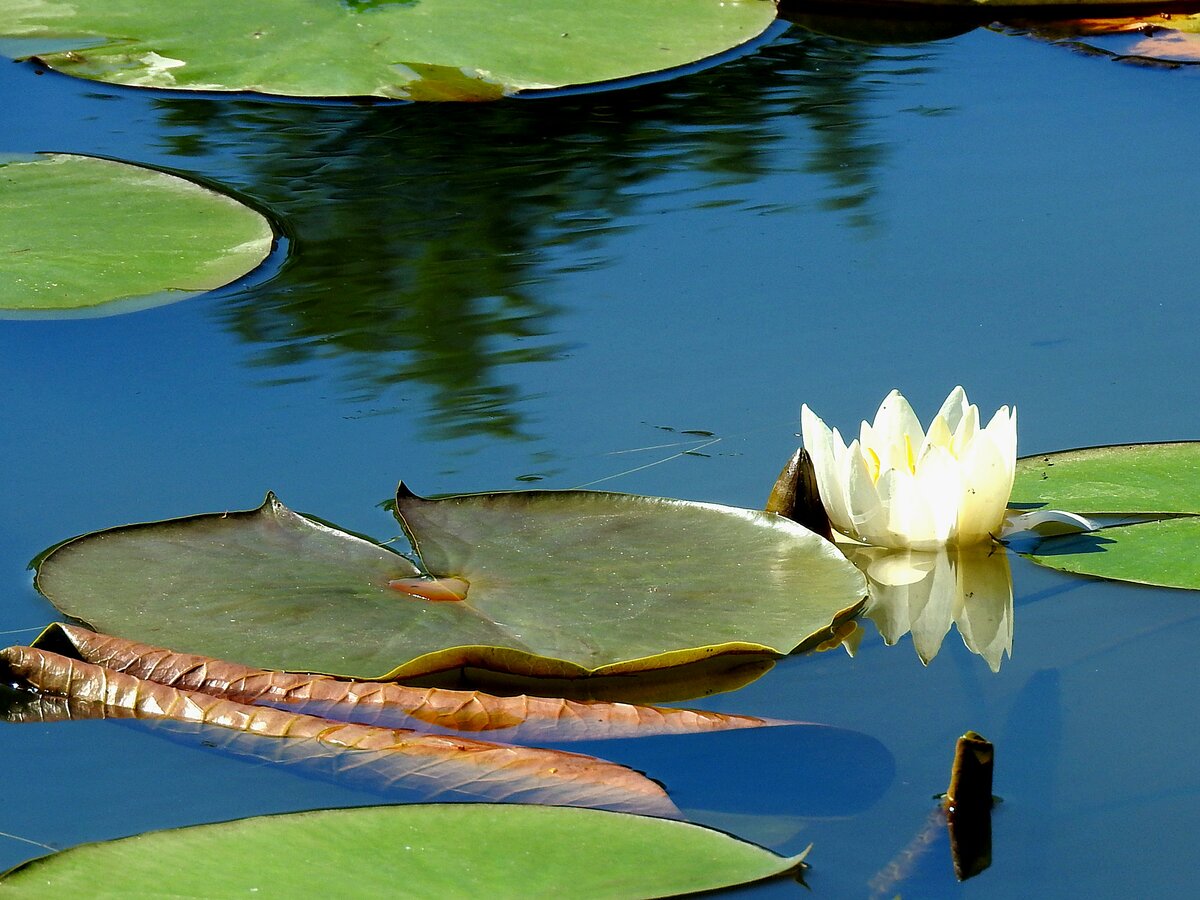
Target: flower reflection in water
<point>924,592</point>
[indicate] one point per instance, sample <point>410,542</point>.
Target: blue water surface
<point>556,291</point>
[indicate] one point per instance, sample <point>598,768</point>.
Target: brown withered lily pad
<point>508,718</point>
<point>1163,39</point>
<point>449,767</point>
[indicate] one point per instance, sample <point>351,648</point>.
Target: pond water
<point>551,291</point>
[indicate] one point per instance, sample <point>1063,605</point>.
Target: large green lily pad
<point>1124,479</point>
<point>418,851</point>
<point>79,234</point>
<point>560,584</point>
<point>1154,480</point>
<point>431,49</point>
<point>1159,553</point>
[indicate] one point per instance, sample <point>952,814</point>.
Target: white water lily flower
<point>899,486</point>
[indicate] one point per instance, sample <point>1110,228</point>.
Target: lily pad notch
<point>1155,482</point>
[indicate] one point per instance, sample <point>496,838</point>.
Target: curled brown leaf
<point>522,718</point>
<point>439,762</point>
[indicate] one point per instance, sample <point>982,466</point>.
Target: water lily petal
<point>1003,430</point>
<point>1046,523</point>
<point>954,407</point>
<point>910,516</point>
<point>896,434</point>
<point>940,483</point>
<point>964,433</point>
<point>844,459</point>
<point>939,435</point>
<point>868,518</point>
<point>987,482</point>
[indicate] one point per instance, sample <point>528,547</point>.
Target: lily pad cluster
<point>261,608</point>
<point>557,583</point>
<point>95,237</point>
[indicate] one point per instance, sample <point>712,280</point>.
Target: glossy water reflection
<point>925,592</point>
<point>423,237</point>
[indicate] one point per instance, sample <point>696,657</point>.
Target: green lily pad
<point>560,584</point>
<point>1157,480</point>
<point>1160,553</point>
<point>1147,479</point>
<point>419,851</point>
<point>97,237</point>
<point>427,50</point>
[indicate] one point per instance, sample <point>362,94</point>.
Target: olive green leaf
<point>559,584</point>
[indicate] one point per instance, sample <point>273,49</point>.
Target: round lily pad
<point>1123,479</point>
<point>1154,480</point>
<point>1161,553</point>
<point>80,235</point>
<point>417,851</point>
<point>427,50</point>
<point>560,584</point>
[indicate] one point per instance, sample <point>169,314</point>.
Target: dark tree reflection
<point>423,236</point>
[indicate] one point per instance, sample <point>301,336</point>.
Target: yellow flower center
<point>875,465</point>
